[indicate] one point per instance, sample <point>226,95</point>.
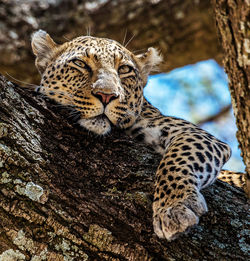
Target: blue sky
<point>195,92</point>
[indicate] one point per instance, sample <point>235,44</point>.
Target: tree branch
<point>216,116</point>
<point>69,194</point>
<point>175,27</point>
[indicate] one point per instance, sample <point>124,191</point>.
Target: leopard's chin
<point>100,125</point>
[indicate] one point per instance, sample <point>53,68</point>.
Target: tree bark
<point>232,19</point>
<point>69,195</point>
<point>184,31</point>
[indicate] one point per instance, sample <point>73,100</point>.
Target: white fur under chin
<point>98,125</point>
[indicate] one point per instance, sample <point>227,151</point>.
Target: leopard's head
<point>99,77</point>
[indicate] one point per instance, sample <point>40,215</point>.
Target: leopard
<point>104,81</point>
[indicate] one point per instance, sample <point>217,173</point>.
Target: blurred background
<point>191,82</point>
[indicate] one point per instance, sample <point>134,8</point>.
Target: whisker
<point>88,29</point>
<point>28,88</point>
<point>139,51</point>
<point>77,117</point>
<point>129,40</point>
<point>66,96</point>
<point>66,38</point>
<point>125,36</point>
<point>130,113</point>
<point>27,85</point>
<point>43,96</point>
<point>61,105</point>
<point>73,111</point>
<point>74,116</point>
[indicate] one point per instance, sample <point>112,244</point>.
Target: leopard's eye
<point>123,69</point>
<point>77,63</point>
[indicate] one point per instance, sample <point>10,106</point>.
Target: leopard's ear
<point>149,62</point>
<point>44,49</point>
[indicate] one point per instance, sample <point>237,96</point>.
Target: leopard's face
<point>98,77</point>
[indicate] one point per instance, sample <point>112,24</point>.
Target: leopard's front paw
<point>170,221</point>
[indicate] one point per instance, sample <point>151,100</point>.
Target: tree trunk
<point>69,195</point>
<point>184,31</point>
<point>232,19</point>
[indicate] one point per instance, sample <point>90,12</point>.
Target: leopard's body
<point>104,81</point>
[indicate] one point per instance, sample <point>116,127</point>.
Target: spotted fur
<point>104,82</point>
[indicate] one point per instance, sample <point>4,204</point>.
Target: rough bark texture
<point>183,30</point>
<point>69,195</point>
<point>232,19</point>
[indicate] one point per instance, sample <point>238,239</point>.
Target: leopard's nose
<point>105,98</point>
